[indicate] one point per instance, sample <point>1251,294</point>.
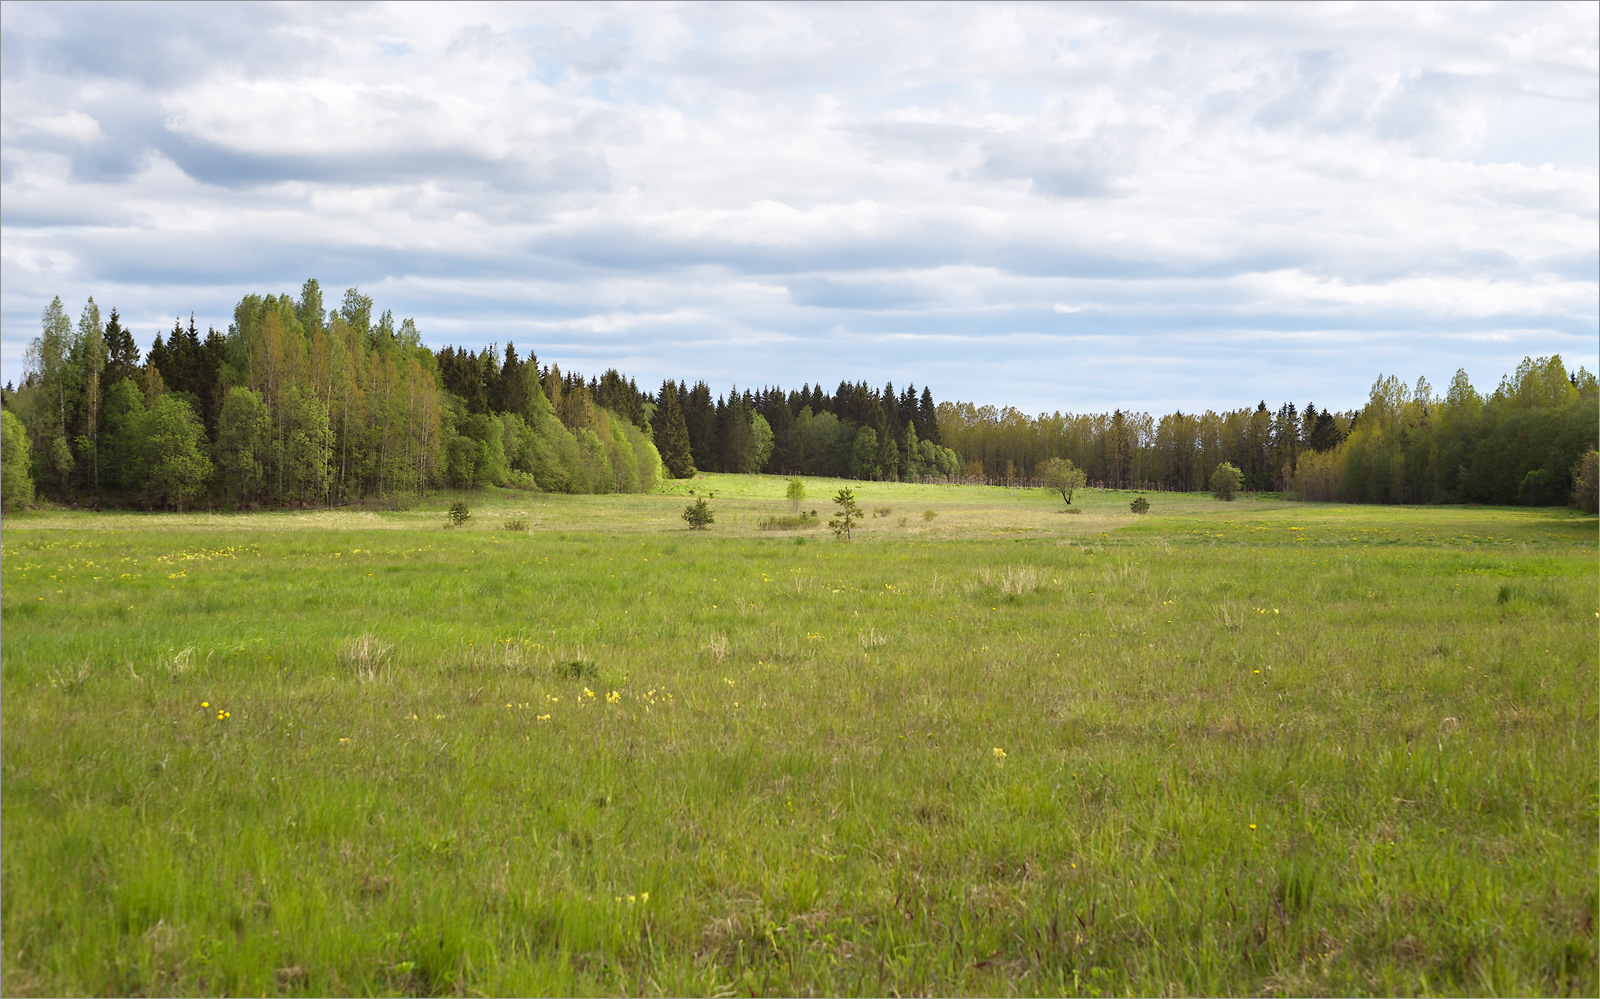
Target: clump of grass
<point>367,657</point>
<point>516,524</point>
<point>789,522</point>
<point>576,669</point>
<point>1542,594</point>
<point>719,647</point>
<point>870,639</point>
<point>929,514</point>
<point>881,511</point>
<point>69,678</point>
<point>1013,581</point>
<point>181,663</point>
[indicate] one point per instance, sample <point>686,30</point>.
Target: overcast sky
<point>1056,207</point>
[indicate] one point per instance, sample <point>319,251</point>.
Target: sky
<point>1056,207</point>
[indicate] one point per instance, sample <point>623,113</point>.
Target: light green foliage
<point>795,493</point>
<point>243,431</point>
<point>174,453</point>
<point>698,515</point>
<point>864,454</point>
<point>1225,481</point>
<point>848,514</point>
<point>1239,749</point>
<point>16,472</point>
<point>307,448</point>
<point>1062,476</point>
<point>760,442</point>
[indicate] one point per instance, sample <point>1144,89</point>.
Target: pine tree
<point>671,434</point>
<point>122,354</point>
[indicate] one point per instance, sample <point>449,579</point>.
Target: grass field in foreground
<point>1257,747</point>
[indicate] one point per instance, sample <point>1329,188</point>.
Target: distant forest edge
<point>298,405</point>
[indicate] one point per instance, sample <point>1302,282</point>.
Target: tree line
<point>300,404</point>
<point>1518,444</point>
<point>297,404</point>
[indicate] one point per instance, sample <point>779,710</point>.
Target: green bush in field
<point>1139,505</point>
<point>698,515</point>
<point>849,513</point>
<point>1225,481</point>
<point>459,513</point>
<point>796,493</point>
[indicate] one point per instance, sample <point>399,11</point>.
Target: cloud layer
<point>1057,207</point>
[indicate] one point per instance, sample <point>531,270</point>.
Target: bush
<point>796,493</point>
<point>459,514</point>
<point>929,514</point>
<point>1139,505</point>
<point>516,525</point>
<point>698,515</point>
<point>1225,481</point>
<point>881,511</point>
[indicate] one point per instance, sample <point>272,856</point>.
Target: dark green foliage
<point>459,513</point>
<point>672,434</point>
<point>1139,505</point>
<point>1585,479</point>
<point>698,515</point>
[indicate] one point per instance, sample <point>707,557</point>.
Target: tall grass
<point>1253,747</point>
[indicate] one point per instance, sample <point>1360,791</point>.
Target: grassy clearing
<point>1221,748</point>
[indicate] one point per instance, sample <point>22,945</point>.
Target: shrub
<point>459,514</point>
<point>698,515</point>
<point>795,493</point>
<point>881,511</point>
<point>517,524</point>
<point>929,514</point>
<point>1225,481</point>
<point>1139,505</point>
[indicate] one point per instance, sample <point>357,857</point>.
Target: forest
<point>297,404</point>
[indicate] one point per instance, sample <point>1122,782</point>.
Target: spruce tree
<point>671,433</point>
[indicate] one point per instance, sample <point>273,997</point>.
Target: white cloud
<point>970,197</point>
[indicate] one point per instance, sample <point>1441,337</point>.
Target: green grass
<point>1221,748</point>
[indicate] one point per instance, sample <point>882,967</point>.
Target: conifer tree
<point>672,436</point>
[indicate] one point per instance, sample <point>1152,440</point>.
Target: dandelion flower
<point>999,753</point>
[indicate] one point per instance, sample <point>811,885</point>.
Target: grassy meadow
<point>989,747</point>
